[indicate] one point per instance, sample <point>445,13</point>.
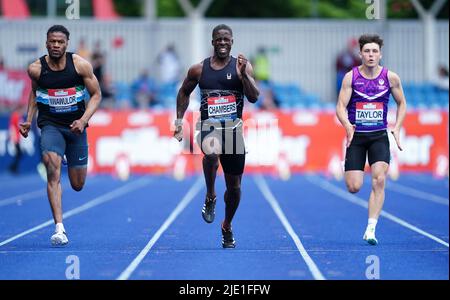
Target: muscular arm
<point>245,71</point>
<point>33,72</point>
<point>341,106</point>
<point>32,105</point>
<point>189,84</point>
<point>399,97</point>
<point>343,100</point>
<point>84,68</point>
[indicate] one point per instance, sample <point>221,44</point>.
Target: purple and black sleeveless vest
<point>368,105</point>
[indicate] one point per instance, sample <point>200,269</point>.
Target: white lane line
<point>405,190</point>
<point>358,201</point>
<point>193,191</point>
<point>262,185</point>
<point>94,202</point>
<point>19,199</point>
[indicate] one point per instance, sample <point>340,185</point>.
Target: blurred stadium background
<point>295,45</point>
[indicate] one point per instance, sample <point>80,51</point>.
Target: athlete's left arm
<point>84,68</point>
<point>246,74</point>
<point>399,97</point>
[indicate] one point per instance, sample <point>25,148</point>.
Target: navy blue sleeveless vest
<point>222,93</point>
<point>60,94</point>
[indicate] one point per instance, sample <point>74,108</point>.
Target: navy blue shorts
<point>62,141</point>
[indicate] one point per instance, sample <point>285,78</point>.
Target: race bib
<point>223,107</point>
<point>62,100</point>
<point>369,113</point>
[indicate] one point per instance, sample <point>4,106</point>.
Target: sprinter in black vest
<point>60,83</point>
<point>223,81</point>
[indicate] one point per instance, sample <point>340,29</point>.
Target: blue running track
<point>150,227</point>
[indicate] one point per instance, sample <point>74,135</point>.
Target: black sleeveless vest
<point>60,94</point>
<point>222,93</point>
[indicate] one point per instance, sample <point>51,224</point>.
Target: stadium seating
<point>292,96</point>
<point>425,96</point>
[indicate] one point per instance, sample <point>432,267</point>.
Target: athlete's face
<point>56,44</point>
<point>222,42</point>
<point>371,54</point>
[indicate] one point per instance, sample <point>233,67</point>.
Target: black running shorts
<point>228,143</point>
<point>373,145</point>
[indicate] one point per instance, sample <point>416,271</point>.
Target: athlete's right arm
<point>341,107</point>
<point>189,84</point>
<point>33,72</point>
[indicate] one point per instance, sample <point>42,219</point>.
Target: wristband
<point>178,122</point>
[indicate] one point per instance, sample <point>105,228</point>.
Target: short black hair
<point>220,27</point>
<point>370,38</point>
<point>58,28</point>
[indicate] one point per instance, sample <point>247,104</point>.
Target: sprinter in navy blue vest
<point>224,80</point>
<point>60,83</point>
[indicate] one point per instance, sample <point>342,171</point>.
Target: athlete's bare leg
<point>210,166</point>
<point>77,177</point>
<point>232,197</point>
<point>52,162</point>
<point>354,180</point>
<point>376,200</point>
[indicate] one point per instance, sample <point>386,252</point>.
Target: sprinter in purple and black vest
<point>362,109</point>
